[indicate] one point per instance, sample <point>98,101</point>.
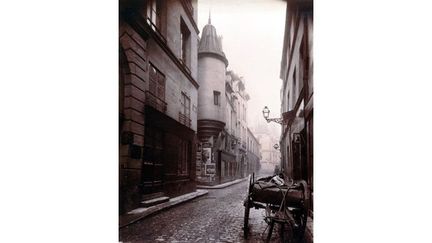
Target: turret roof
<point>210,43</point>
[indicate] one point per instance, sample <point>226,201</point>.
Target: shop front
<point>167,164</point>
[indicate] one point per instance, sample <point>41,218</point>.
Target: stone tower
<point>212,65</point>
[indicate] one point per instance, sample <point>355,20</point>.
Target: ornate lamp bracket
<point>277,120</point>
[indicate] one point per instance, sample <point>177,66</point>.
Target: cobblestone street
<point>215,217</point>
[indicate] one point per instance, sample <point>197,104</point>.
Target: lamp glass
<point>266,112</point>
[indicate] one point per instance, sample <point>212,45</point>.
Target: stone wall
<point>211,76</point>
<point>133,82</point>
<point>141,46</point>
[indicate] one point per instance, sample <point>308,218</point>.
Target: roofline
<point>213,54</point>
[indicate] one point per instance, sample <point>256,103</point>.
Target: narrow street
<point>201,102</point>
<point>215,217</point>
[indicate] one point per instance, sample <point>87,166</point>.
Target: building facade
<point>254,156</point>
<point>297,93</point>
<point>240,98</point>
<point>222,105</point>
<point>158,99</point>
<point>212,65</point>
<point>271,157</point>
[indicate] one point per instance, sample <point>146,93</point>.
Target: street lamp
<point>266,113</point>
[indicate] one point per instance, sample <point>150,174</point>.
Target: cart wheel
<point>247,205</point>
<point>286,233</point>
<point>246,218</point>
<point>302,215</point>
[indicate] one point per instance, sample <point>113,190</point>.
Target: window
<point>185,101</point>
<point>184,42</point>
<point>154,13</point>
<point>157,83</point>
<point>183,152</point>
<point>216,96</point>
<point>184,117</point>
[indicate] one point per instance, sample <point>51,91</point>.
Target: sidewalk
<point>139,213</point>
<point>220,186</point>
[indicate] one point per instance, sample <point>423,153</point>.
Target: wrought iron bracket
<point>277,120</point>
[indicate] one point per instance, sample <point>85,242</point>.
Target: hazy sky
<point>252,33</point>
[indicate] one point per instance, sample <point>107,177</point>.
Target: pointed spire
<point>210,41</point>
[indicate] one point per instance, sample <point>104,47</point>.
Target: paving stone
<point>215,217</point>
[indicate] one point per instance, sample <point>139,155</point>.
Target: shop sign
<point>210,169</point>
<point>206,155</point>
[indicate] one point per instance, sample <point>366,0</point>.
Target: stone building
<point>297,92</point>
<point>239,98</point>
<point>254,155</point>
<point>158,99</point>
<point>271,157</point>
<point>222,107</point>
<point>212,65</point>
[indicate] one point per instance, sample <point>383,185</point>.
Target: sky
<point>252,32</point>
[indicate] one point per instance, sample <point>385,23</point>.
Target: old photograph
<point>189,121</point>
<point>216,121</point>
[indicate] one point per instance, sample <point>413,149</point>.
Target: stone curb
<point>220,186</point>
<point>140,213</point>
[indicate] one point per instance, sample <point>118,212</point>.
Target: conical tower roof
<point>210,43</point>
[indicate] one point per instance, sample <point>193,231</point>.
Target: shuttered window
<point>157,83</point>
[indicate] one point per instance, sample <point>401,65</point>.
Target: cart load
<point>266,190</point>
<point>285,203</point>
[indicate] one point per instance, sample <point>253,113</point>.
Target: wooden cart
<point>284,205</point>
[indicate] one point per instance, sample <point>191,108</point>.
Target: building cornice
<point>139,24</point>
<point>189,13</point>
<point>212,54</point>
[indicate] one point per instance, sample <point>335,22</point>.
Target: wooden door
<point>152,169</point>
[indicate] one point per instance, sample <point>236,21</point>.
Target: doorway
<point>152,163</point>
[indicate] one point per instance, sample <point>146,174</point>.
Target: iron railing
<point>183,119</point>
<point>155,102</point>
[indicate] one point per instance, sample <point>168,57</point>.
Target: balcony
<point>155,102</point>
<point>183,119</point>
